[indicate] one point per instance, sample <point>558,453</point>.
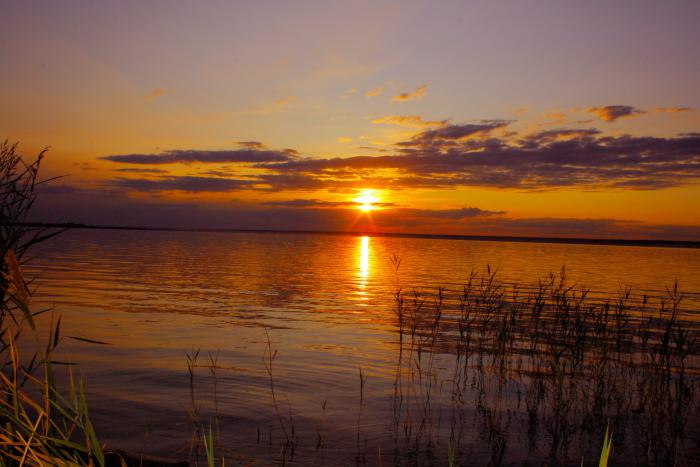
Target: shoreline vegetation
<point>558,377</point>
<point>479,369</point>
<point>486,238</point>
<point>39,424</point>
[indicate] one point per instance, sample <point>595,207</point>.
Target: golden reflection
<point>362,268</point>
<point>364,259</point>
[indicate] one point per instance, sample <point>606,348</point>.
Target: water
<point>326,303</point>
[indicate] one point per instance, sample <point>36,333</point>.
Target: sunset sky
<point>537,118</point>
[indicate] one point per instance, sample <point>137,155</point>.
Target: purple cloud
<point>447,157</point>
<point>610,113</point>
<point>186,183</point>
<point>202,156</point>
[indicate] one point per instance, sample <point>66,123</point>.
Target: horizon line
<point>492,238</point>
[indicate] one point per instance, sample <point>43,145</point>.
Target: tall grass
<point>39,424</point>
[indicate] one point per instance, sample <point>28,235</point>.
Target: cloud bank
<point>484,154</point>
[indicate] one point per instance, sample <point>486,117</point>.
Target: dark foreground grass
<point>39,425</point>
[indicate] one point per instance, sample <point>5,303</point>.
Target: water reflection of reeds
<point>494,374</point>
<point>550,364</point>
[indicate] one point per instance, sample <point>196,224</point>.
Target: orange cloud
<point>674,110</point>
<point>610,113</point>
<point>410,121</point>
<point>344,139</point>
<point>374,92</point>
<point>156,93</point>
<point>409,96</point>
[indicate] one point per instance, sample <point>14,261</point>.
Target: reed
<point>576,360</point>
<point>39,424</point>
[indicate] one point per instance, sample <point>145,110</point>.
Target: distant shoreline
<point>486,238</point>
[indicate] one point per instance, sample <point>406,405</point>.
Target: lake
<point>324,306</point>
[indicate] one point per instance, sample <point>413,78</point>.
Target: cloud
<point>410,121</point>
<point>470,155</point>
<point>455,132</point>
<point>256,145</point>
<point>204,156</point>
<point>409,96</point>
<point>374,92</point>
<point>156,93</point>
<point>483,154</point>
<point>54,189</point>
<point>558,135</point>
<point>317,203</point>
<point>674,110</point>
<point>139,170</point>
<point>454,214</point>
<point>184,183</point>
<point>611,113</point>
<point>305,203</point>
<point>344,139</point>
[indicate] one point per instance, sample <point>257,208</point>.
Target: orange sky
<point>474,118</point>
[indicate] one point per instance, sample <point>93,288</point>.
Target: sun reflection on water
<point>363,267</point>
<point>364,258</point>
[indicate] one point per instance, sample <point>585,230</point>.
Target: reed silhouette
<point>582,379</point>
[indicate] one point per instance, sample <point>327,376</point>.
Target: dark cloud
<point>610,113</point>
<point>192,155</point>
<point>305,203</point>
<point>186,183</point>
<point>455,132</point>
<point>558,134</point>
<point>546,160</point>
<point>252,145</point>
<point>317,203</point>
<point>474,155</point>
<point>54,189</point>
<point>139,170</point>
<point>462,213</point>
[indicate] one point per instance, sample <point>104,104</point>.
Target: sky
<point>525,118</point>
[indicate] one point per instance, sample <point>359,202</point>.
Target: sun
<point>366,201</point>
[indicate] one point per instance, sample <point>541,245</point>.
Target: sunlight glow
<point>366,201</point>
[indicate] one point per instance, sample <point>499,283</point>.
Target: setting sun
<point>365,202</point>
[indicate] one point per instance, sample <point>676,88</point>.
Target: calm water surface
<point>326,303</point>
